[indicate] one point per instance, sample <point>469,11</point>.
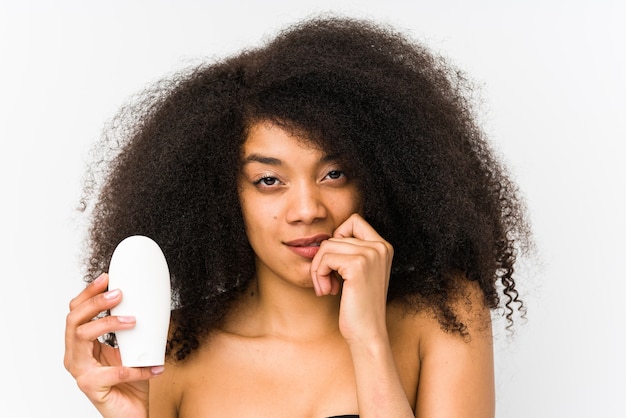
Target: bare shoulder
<point>422,327</point>
<point>165,393</point>
<point>453,373</point>
<point>180,380</point>
<point>166,390</point>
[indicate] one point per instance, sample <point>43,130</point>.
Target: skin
<point>313,336</point>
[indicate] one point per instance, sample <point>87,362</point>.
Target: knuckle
<point>381,247</point>
<point>67,363</point>
<point>96,301</point>
<point>385,249</point>
<point>74,303</point>
<point>375,251</point>
<point>79,333</point>
<point>123,373</point>
<point>69,320</point>
<point>84,383</point>
<point>361,261</point>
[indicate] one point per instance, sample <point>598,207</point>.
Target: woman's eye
<point>335,174</point>
<point>267,181</point>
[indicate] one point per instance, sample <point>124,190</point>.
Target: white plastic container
<point>139,269</point>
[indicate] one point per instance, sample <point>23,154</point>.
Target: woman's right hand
<point>115,390</point>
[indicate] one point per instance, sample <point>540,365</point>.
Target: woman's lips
<point>306,252</point>
<point>307,247</point>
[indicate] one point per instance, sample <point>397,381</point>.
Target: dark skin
<point>130,385</point>
<point>393,112</point>
<point>336,226</point>
<point>299,341</point>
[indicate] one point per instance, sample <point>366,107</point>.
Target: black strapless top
<point>344,416</point>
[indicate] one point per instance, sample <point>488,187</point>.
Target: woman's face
<point>293,196</point>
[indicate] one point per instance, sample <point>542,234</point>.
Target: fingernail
<point>99,279</point>
<point>112,294</point>
<point>126,319</point>
<point>156,370</point>
<point>313,282</point>
<point>316,288</point>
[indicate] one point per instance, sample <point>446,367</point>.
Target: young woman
<point>336,228</point>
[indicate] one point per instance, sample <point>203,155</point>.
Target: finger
<point>335,283</point>
<point>355,226</point>
<point>100,379</point>
<point>351,240</point>
<point>90,331</point>
<point>92,289</point>
<point>353,246</point>
<point>337,263</point>
<point>81,330</point>
<point>384,248</point>
<point>82,346</point>
<point>91,307</point>
<point>339,246</point>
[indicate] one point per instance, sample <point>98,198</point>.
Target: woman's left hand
<point>360,258</point>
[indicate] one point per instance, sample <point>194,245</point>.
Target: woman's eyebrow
<point>258,158</point>
<point>330,157</point>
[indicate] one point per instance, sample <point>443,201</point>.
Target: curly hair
<point>400,116</point>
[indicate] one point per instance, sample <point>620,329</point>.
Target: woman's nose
<point>305,204</point>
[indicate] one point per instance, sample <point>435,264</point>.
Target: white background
<point>552,77</point>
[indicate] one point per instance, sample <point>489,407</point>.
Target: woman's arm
<point>379,390</point>
<point>455,373</point>
<point>362,259</point>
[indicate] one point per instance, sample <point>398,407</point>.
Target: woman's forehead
<point>267,137</point>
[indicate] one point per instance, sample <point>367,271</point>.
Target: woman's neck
<point>280,309</point>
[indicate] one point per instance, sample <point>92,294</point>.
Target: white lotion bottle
<point>139,269</point>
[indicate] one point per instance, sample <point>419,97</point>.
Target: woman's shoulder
<point>416,320</point>
<point>417,336</point>
<point>436,362</point>
<point>184,378</point>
